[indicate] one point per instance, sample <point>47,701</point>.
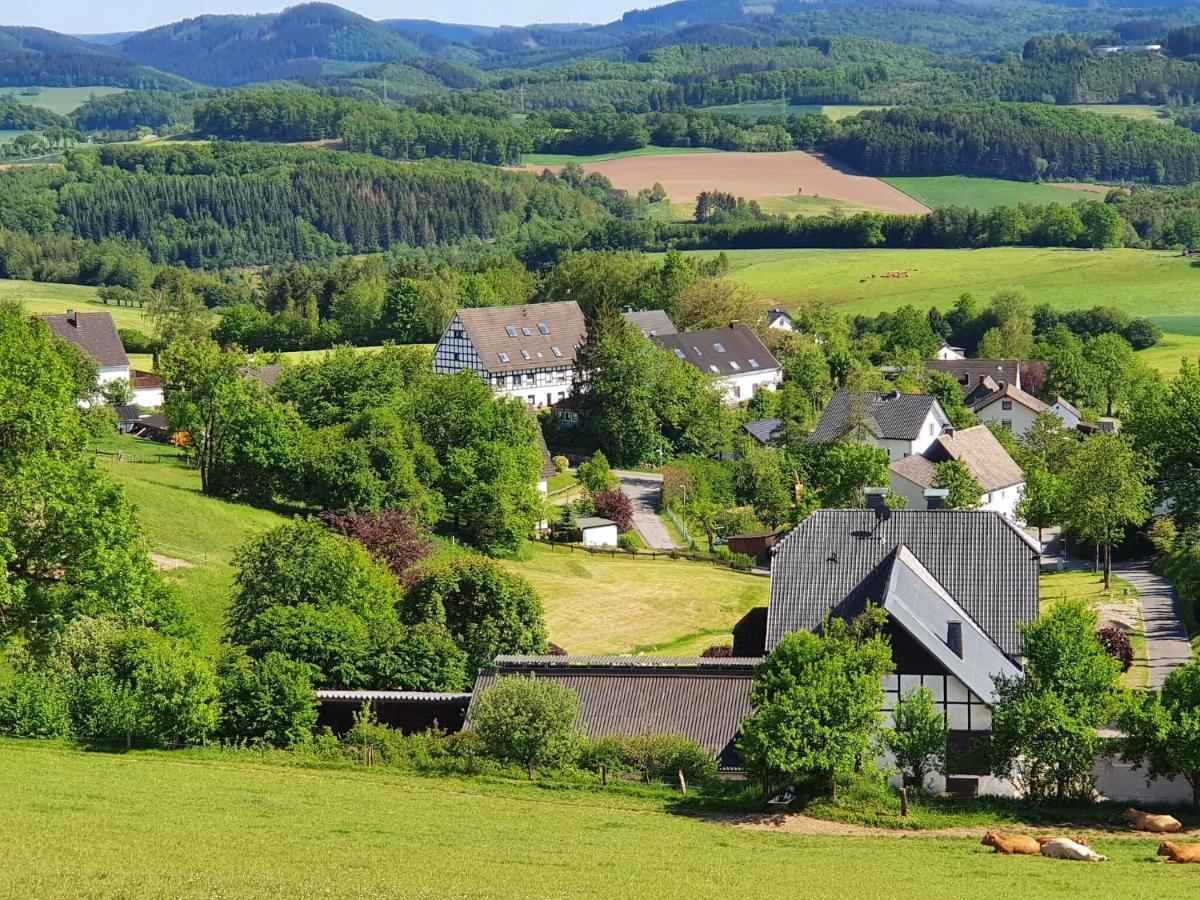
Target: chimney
<point>72,319</point>
<point>954,638</point>
<point>876,497</point>
<point>935,498</point>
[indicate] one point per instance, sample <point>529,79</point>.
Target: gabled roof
<point>523,338</point>
<point>969,372</point>
<point>838,559</point>
<point>775,314</point>
<point>267,375</point>
<point>650,321</point>
<point>93,333</point>
<point>703,699</point>
<point>720,352</point>
<point>921,606</point>
<point>977,447</point>
<point>1013,393</point>
<point>1067,405</point>
<point>763,430</point>
<point>890,417</point>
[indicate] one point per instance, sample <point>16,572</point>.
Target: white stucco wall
<point>600,536</point>
<point>741,388</point>
<point>113,373</point>
<point>1021,417</point>
<point>1069,419</point>
<point>1003,501</point>
<point>151,397</point>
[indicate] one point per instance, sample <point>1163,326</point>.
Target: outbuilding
<point>596,532</point>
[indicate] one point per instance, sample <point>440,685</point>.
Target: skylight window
<point>503,357</point>
<point>510,331</point>
<point>714,369</point>
<point>697,349</point>
<point>753,362</point>
<point>525,354</point>
<point>543,328</point>
<point>679,353</point>
<point>733,365</point>
<point>525,331</point>
<point>556,351</point>
<point>719,347</point>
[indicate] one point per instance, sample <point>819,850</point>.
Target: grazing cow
<point>1011,843</point>
<point>1065,848</point>
<point>1179,853</point>
<point>1159,824</point>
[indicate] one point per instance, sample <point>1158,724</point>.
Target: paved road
<point>1167,644</point>
<point>644,488</point>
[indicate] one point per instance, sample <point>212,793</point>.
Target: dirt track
<point>751,175</point>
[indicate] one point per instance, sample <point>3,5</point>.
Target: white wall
<point>113,373</point>
<point>1069,419</point>
<point>741,388</point>
<point>600,536</point>
<point>150,397</point>
<point>949,353</point>
<point>1021,417</point>
<point>1003,501</point>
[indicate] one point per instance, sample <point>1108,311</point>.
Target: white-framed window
<point>1006,404</point>
<point>1006,423</point>
<point>719,347</point>
<point>510,331</point>
<point>543,328</point>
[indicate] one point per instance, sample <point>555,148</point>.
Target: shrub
<point>561,464</point>
<point>269,700</point>
<point>615,505</point>
<point>34,704</point>
<point>135,341</point>
<point>1116,644</point>
<point>394,537</point>
<point>740,562</point>
<point>630,541</point>
<point>1163,534</point>
<point>595,474</point>
<point>650,757</point>
<point>527,721</point>
<point>718,651</point>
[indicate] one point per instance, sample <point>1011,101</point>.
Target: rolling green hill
<point>985,193</point>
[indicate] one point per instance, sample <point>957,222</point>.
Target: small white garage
<point>597,532</point>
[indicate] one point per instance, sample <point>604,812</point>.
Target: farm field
<point>44,298</point>
<point>61,100</point>
<point>758,110</point>
<point>985,193</point>
<point>538,160</point>
<point>754,175</point>
<point>598,604</point>
<point>237,828</point>
<point>794,205</point>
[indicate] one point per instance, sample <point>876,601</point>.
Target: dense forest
<point>130,110</point>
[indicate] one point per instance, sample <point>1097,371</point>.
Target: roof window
<point>753,362</point>
<point>525,354</point>
<point>556,351</point>
<point>714,369</point>
<point>679,353</point>
<point>503,356</point>
<point>697,349</point>
<point>733,365</point>
<point>719,347</point>
<point>525,331</point>
<point>543,328</point>
<point>510,331</point>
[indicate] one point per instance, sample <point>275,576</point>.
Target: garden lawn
<point>43,298</point>
<point>146,825</point>
<point>186,526</point>
<point>597,604</point>
<point>985,193</point>
<point>1121,606</point>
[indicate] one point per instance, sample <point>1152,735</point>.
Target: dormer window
<point>720,348</point>
<point>510,331</point>
<point>503,356</point>
<point>543,328</point>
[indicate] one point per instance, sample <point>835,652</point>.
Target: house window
<point>720,348</point>
<point>734,365</point>
<point>503,356</point>
<point>531,400</point>
<point>931,428</point>
<point>556,351</point>
<point>1006,423</point>
<point>1006,405</point>
<point>525,354</point>
<point>753,362</point>
<point>530,378</point>
<point>510,331</point>
<point>457,333</point>
<point>526,332</point>
<point>543,328</point>
<point>697,349</point>
<point>456,356</point>
<point>737,392</point>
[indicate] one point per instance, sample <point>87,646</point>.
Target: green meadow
<point>985,193</point>
<point>61,100</point>
<point>190,824</point>
<point>768,108</point>
<point>42,298</point>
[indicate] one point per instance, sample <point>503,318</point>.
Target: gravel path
<point>644,488</point>
<point>1167,644</point>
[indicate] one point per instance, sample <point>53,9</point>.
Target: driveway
<point>644,488</point>
<point>1167,644</point>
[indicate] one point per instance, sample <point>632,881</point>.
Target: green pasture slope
<point>41,298</point>
<point>1158,284</point>
<point>61,100</point>
<point>157,824</point>
<point>985,193</point>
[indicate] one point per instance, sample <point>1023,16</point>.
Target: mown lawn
<point>985,193</point>
<point>147,825</point>
<point>600,604</point>
<point>41,298</point>
<point>1122,603</point>
<point>185,525</point>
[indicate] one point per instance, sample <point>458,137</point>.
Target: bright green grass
<point>1123,600</point>
<point>155,824</point>
<point>62,100</point>
<point>983,193</point>
<point>598,604</point>
<point>792,205</point>
<point>42,298</point>
<point>561,159</point>
<point>184,524</point>
<point>1141,111</point>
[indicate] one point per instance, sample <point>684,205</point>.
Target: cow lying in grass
<point>1179,853</point>
<point>1159,824</point>
<point>1011,843</point>
<point>1065,848</point>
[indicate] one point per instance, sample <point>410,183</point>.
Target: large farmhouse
<point>527,352</point>
<point>901,424</point>
<point>731,354</point>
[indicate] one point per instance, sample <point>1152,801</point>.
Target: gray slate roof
<point>593,522</point>
<point>93,333</point>
<point>650,321</point>
<point>741,351</point>
<point>703,699</point>
<point>838,559</point>
<point>488,330</point>
<point>892,416</point>
<point>763,430</point>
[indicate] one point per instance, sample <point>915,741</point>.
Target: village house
<point>1071,417</point>
<point>527,351</point>
<point>901,424</point>
<point>780,320</point>
<point>947,352</point>
<point>977,377</point>
<point>1011,407</point>
<point>997,472</point>
<point>732,355</point>
<point>96,335</point>
<point>650,322</point>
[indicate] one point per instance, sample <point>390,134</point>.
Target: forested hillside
<point>30,56</point>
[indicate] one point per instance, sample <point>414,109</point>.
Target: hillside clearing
<point>984,194</point>
<point>753,175</point>
<point>758,110</point>
<point>237,828</point>
<point>598,604</point>
<point>43,298</point>
<point>61,100</point>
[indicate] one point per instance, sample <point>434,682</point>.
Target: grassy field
<point>561,159</point>
<point>185,525</point>
<point>601,604</point>
<point>61,100</point>
<point>983,193</point>
<point>1121,604</point>
<point>153,824</point>
<point>42,298</point>
<point>793,205</point>
<point>1181,338</point>
<point>758,110</point>
<point>1141,111</point>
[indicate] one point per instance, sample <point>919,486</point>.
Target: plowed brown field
<point>752,175</point>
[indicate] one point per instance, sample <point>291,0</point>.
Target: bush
<point>1116,644</point>
<point>269,700</point>
<point>630,541</point>
<point>650,757</point>
<point>718,651</point>
<point>33,704</point>
<point>740,562</point>
<point>394,537</point>
<point>527,721</point>
<point>596,476</point>
<point>135,341</point>
<point>561,464</point>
